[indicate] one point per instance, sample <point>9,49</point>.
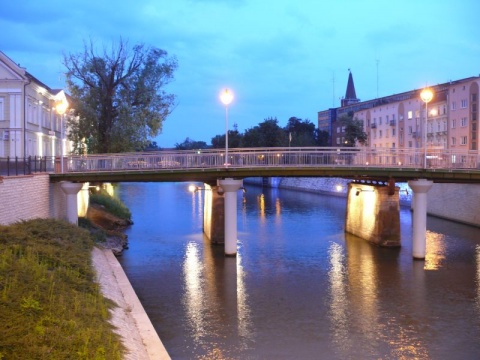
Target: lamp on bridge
<point>426,95</point>
<point>226,96</point>
<point>61,106</point>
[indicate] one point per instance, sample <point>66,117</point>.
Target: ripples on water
<point>299,288</point>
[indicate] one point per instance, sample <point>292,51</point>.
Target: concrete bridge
<point>373,198</point>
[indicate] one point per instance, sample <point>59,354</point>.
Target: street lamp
<point>226,96</point>
<point>61,107</point>
<point>426,95</point>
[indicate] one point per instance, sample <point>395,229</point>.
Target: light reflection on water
<point>299,287</point>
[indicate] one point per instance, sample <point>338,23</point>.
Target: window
<point>409,129</point>
<point>463,140</point>
<point>2,108</point>
<point>454,141</point>
<point>393,132</point>
<point>380,120</point>
<point>410,115</point>
<point>474,97</point>
<point>454,105</point>
<point>410,144</point>
<point>393,145</point>
<point>454,123</point>
<point>463,122</point>
<point>338,141</point>
<point>387,133</point>
<point>463,104</point>
<point>380,134</point>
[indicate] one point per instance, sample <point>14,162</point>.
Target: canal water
<point>300,288</point>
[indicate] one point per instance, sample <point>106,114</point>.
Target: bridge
<point>208,165</point>
<point>371,169</point>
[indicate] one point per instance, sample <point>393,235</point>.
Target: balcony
<point>393,122</point>
<point>373,125</point>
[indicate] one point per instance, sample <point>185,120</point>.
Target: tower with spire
<point>350,94</point>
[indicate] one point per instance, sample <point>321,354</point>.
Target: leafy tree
<point>118,95</point>
<point>321,137</point>
<point>265,134</point>
<point>301,132</point>
<point>353,130</point>
<point>190,144</point>
<point>234,139</point>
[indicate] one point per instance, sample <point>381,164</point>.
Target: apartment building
<point>404,120</point>
<point>30,117</point>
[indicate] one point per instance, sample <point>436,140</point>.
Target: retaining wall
<point>29,197</point>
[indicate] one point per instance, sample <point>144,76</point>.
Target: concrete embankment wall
<point>28,197</point>
<point>457,202</point>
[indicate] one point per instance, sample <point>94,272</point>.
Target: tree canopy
<point>190,144</point>
<point>118,96</point>
<point>353,130</point>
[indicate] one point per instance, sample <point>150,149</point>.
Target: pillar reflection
<point>215,299</point>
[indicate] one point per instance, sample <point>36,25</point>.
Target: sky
<point>280,58</point>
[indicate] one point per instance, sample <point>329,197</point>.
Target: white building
<point>29,122</point>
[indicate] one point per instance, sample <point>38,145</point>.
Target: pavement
<point>129,317</point>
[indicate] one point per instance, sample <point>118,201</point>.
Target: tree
<point>321,137</point>
<point>301,132</point>
<point>353,130</point>
<point>190,144</point>
<point>234,139</point>
<point>265,134</point>
<point>118,96</point>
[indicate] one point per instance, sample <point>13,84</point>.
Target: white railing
<point>277,157</point>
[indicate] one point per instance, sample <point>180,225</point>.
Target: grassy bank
<point>50,306</point>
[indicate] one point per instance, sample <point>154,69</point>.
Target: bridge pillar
<point>230,187</point>
<point>373,213</point>
<point>213,214</point>
<point>420,188</point>
<point>71,190</point>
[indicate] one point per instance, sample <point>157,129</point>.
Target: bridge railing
<point>17,166</point>
<point>276,157</point>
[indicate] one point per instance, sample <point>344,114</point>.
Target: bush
<point>111,204</point>
<point>50,305</point>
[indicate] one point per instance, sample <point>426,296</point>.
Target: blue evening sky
<point>281,58</point>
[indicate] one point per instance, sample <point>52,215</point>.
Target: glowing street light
<point>61,108</point>
<point>226,97</point>
<point>426,95</point>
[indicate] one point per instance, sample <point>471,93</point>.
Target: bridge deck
<point>209,165</point>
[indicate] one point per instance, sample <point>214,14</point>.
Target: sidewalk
<point>131,322</point>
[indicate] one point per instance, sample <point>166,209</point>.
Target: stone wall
<point>29,197</point>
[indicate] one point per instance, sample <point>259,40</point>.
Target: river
<point>299,288</point>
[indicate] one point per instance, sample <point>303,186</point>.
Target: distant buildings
<point>29,124</point>
<point>398,121</point>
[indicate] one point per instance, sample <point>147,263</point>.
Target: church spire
<point>350,94</point>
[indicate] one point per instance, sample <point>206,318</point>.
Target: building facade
<point>30,122</point>
<point>448,121</point>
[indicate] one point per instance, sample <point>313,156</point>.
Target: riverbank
<point>129,317</point>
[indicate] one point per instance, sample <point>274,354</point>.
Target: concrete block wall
<point>24,198</point>
<point>458,202</point>
<point>30,197</point>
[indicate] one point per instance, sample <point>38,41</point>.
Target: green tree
<point>190,144</point>
<point>301,132</point>
<point>118,96</point>
<point>353,130</point>
<point>266,134</point>
<point>234,139</point>
<point>321,137</point>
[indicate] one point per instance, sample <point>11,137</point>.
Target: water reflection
<point>299,287</point>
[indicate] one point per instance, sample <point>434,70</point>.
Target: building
<point>398,121</point>
<point>30,119</point>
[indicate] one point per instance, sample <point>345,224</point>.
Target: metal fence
<point>275,157</point>
<point>16,166</point>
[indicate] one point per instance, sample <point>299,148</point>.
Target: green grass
<point>111,204</point>
<point>50,305</point>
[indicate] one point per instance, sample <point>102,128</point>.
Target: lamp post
<point>61,108</point>
<point>226,96</point>
<point>426,95</point>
